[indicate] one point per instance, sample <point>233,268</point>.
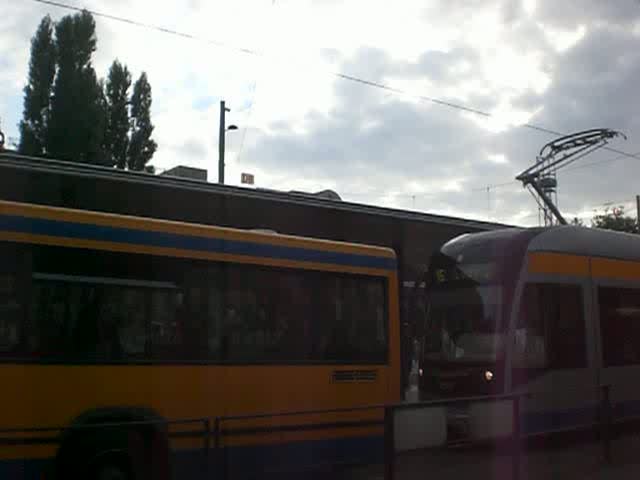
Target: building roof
<point>11,160</point>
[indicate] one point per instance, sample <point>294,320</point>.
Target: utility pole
<point>638,211</point>
<point>223,111</point>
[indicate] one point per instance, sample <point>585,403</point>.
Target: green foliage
<point>116,136</point>
<point>77,123</point>
<point>72,115</point>
<point>37,92</point>
<point>142,146</point>
<point>615,220</point>
<point>2,138</point>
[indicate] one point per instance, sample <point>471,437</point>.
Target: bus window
<point>192,322</point>
<point>214,322</point>
<point>550,328</point>
<point>620,325</point>
<point>165,338</point>
<point>50,337</point>
<point>349,320</point>
<point>132,327</point>
<point>10,314</point>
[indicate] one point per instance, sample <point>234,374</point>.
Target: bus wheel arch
<point>141,451</point>
<point>112,465</point>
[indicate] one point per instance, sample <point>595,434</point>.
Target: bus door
<point>553,354</point>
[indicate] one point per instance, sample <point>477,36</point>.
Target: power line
<point>599,162</point>
<point>251,103</point>
<point>494,185</point>
<point>577,167</point>
<point>246,120</point>
<point>149,26</point>
<point>344,76</point>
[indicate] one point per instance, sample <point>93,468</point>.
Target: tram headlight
<point>420,372</point>
<point>488,375</point>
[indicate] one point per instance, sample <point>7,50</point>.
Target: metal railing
<point>389,421</point>
<point>212,429</point>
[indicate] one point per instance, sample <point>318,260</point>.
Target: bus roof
<point>30,220</point>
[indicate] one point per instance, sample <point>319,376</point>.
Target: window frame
<point>549,346</point>
<point>186,268</point>
<point>620,285</point>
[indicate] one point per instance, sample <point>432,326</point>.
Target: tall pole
<point>223,111</point>
<point>638,211</point>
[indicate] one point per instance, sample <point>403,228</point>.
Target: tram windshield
<point>467,300</point>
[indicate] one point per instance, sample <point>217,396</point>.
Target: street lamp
<point>221,135</point>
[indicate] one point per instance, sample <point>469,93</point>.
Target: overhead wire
<point>251,102</point>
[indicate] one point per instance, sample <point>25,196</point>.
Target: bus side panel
<point>179,392</point>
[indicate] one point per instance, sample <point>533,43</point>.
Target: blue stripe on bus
<point>287,460</point>
<point>84,231</point>
<point>242,462</point>
<point>247,461</point>
<point>27,469</point>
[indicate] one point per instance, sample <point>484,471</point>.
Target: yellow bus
<point>551,312</point>
<point>108,319</point>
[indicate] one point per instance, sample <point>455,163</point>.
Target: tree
<point>141,146</point>
<point>116,135</point>
<point>577,222</point>
<point>2,139</point>
<point>37,92</point>
<point>615,220</point>
<point>77,121</point>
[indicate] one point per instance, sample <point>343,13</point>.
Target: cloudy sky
<point>566,66</point>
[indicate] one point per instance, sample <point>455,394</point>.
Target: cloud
<point>565,14</point>
<point>389,150</point>
<point>567,66</point>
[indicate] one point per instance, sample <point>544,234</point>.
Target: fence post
<point>216,433</point>
<point>207,445</point>
<point>389,444</point>
<point>606,418</point>
<point>220,457</point>
<point>516,446</point>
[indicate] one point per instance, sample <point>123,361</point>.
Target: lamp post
<point>221,138</point>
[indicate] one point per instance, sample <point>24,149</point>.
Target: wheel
<point>110,471</point>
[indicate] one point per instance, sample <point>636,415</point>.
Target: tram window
<point>620,325</point>
<point>550,329</point>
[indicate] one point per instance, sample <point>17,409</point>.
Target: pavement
<point>584,461</point>
<point>578,460</point>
